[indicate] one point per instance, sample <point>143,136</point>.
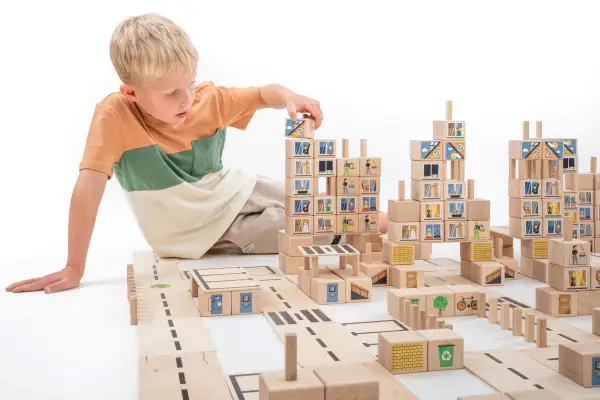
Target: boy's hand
<point>302,104</point>
<point>65,279</point>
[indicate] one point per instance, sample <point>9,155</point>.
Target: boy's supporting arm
<point>85,202</point>
<point>277,97</point>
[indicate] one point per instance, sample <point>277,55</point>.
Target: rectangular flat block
<point>288,244</point>
<point>556,303</point>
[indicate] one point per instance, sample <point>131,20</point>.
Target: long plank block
<point>174,336</point>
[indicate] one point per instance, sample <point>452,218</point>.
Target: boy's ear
<point>128,90</point>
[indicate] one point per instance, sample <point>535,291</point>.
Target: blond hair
<point>146,47</point>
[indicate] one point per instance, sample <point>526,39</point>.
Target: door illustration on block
<point>245,303</point>
<point>216,304</point>
<point>411,279</point>
<point>595,371</point>
<point>564,304</point>
<point>332,292</point>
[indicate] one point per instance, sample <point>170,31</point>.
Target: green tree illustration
<point>440,303</point>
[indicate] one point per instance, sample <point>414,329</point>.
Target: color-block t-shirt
<point>173,176</point>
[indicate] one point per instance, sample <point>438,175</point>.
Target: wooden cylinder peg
<point>525,130</point>
<point>567,229</point>
<point>530,326</point>
<point>401,190</point>
<point>493,314</point>
<point>423,319</point>
<point>431,321</point>
<point>499,247</point>
<point>449,110</point>
<point>517,326</point>
<point>363,148</point>
<point>416,317</point>
<point>345,148</point>
<point>291,357</point>
<point>481,305</point>
<point>593,162</point>
<point>538,129</point>
<point>407,313</point>
<point>505,320</point>
<point>542,333</point>
<point>471,189</point>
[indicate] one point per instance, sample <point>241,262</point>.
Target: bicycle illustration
<point>467,302</point>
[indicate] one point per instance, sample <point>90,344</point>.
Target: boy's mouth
<point>182,114</point>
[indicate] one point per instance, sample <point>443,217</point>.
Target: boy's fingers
<point>37,285</point>
<point>63,284</point>
<point>17,284</point>
<point>316,112</point>
<point>292,111</point>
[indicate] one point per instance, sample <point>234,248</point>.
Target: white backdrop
<point>382,70</point>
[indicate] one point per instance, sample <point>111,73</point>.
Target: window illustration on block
<point>477,229</point>
<point>596,280</point>
<point>586,229</point>
<point>531,188</point>
<point>368,186</point>
<point>324,224</point>
<point>370,222</point>
<point>455,151</point>
<point>432,191</point>
<point>431,171</point>
<point>531,150</point>
<point>349,168</point>
<point>575,231</point>
<point>433,211</point>
<point>570,147</point>
<point>455,130</point>
<point>585,213</point>
<point>595,371</point>
<point>369,203</point>
<point>585,197</point>
<point>553,149</point>
<point>297,129</point>
<point>324,206</point>
<point>302,206</point>
<point>326,167</point>
<point>301,225</point>
<point>553,209</point>
<point>573,215</point>
<point>332,292</point>
<point>302,149</point>
<point>569,164</point>
<point>245,303</point>
<point>348,205</point>
<point>347,224</point>
<point>433,231</point>
<point>531,208</point>
<point>578,256</point>
<point>456,210</point>
<point>456,230</point>
<point>303,167</point>
<point>552,188</point>
<point>327,148</point>
<point>578,279</point>
<point>554,227</point>
<point>431,150</point>
<point>370,166</point>
<point>570,200</point>
<point>455,190</point>
<point>348,186</point>
<point>410,232</point>
<point>533,228</point>
<point>302,187</point>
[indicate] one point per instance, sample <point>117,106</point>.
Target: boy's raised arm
<point>85,202</point>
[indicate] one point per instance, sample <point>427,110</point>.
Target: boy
<point>163,136</point>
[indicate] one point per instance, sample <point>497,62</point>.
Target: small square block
<point>478,230</point>
<point>478,210</point>
<point>465,299</point>
<point>404,210</point>
<point>370,185</point>
<point>299,225</point>
<point>426,150</point>
<point>296,167</point>
<point>476,251</point>
<point>347,204</point>
<point>378,272</point>
<point>525,208</point>
<point>440,301</point>
<point>432,231</point>
<point>325,167</point>
<point>454,190</point>
<point>454,150</point>
<point>556,303</point>
<point>445,349</point>
<point>487,273</point>
<point>348,223</point>
<point>580,363</point>
<point>328,288</point>
<point>298,148</point>
<point>325,148</point>
<point>246,301</point>
<point>568,279</point>
<point>552,149</point>
<point>432,211</point>
<point>368,203</point>
<point>370,166</point>
<point>449,130</point>
<point>427,170</point>
<point>350,381</point>
<point>302,128</point>
<point>456,209</point>
<point>426,190</point>
<point>348,185</point>
<point>299,206</point>
<point>398,254</point>
<point>404,231</point>
<point>402,352</point>
<point>300,187</point>
<point>535,248</point>
<point>369,222</point>
<point>570,253</point>
<point>407,276</point>
<point>551,188</point>
<point>456,231</point>
<point>396,297</point>
<point>325,204</point>
<point>325,224</point>
<point>348,167</point>
<point>525,188</point>
<point>526,228</point>
<point>273,386</point>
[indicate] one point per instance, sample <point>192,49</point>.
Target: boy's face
<point>168,99</point>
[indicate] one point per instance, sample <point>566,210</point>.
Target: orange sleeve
<point>103,147</point>
<point>237,105</point>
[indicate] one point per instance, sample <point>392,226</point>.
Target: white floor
<point>79,344</point>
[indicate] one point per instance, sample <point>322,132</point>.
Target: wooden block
<point>347,204</point>
<point>454,190</point>
<point>325,148</point>
<point>426,190</point>
<point>540,270</point>
<point>526,228</point>
<point>534,248</point>
<point>552,207</point>
<point>586,213</point>
<point>586,230</point>
<point>302,128</point>
<point>348,167</point>
<point>296,206</point>
<point>432,211</point>
<point>481,305</point>
<point>369,203</point>
<point>246,302</point>
<point>533,394</point>
<point>586,301</point>
<point>505,316</point>
<point>398,253</point>
<point>478,210</point>
<point>492,396</point>
<point>585,197</point>
<point>449,130</point>
<point>455,210</point>
<point>396,298</point>
<point>595,276</point>
<point>552,227</point>
<point>299,168</point>
<point>328,288</point>
<point>440,301</point>
<point>298,148</point>
<point>525,149</point>
<point>431,150</point>
<point>552,149</point>
<point>416,317</point>
<point>370,166</point>
<point>526,266</point>
<point>378,272</point>
<point>358,286</point>
<point>568,279</point>
<point>407,276</point>
<point>530,326</point>
<point>467,300</point>
<point>407,313</point>
<point>432,231</point>
<point>288,244</point>
<point>517,322</point>
<point>478,230</point>
<point>428,170</point>
<point>465,268</point>
<point>596,321</point>
<point>402,352</point>
<point>370,185</point>
<point>325,224</point>
<point>528,169</point>
<point>325,204</point>
<point>541,333</point>
<point>215,303</point>
<point>445,349</point>
<point>551,188</point>
<point>348,223</point>
<point>510,266</point>
<point>456,231</point>
<point>454,150</point>
<point>301,225</point>
<point>556,303</point>
<point>325,167</point>
<point>348,382</point>
<point>274,386</point>
<point>579,362</point>
<point>569,253</point>
<point>348,185</point>
<point>487,273</point>
<point>524,188</point>
<point>403,231</point>
<point>476,251</point>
